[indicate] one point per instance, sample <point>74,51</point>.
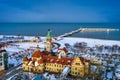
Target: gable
<point>77,61</point>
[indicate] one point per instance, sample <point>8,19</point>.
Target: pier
<point>89,30</point>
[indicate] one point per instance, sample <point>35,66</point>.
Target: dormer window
<point>68,61</point>
<point>57,60</point>
<point>51,60</point>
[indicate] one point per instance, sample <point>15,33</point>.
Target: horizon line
<point>59,22</point>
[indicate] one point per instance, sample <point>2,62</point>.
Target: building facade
<point>39,63</point>
<point>3,60</point>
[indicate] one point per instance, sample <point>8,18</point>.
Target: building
<point>48,41</point>
<point>42,61</point>
<point>3,60</point>
<point>62,52</point>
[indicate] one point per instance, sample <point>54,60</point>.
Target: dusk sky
<point>60,11</point>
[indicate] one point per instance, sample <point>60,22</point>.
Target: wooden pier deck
<point>88,30</point>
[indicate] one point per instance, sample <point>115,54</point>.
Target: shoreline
<point>93,38</point>
<point>26,36</point>
<point>71,40</point>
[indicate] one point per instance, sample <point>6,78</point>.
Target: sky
<point>60,11</point>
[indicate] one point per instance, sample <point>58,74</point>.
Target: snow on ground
<point>12,50</point>
<point>32,37</point>
<point>12,61</point>
<point>89,41</point>
<point>27,45</point>
<point>109,75</point>
<point>1,36</point>
<point>10,77</point>
<point>29,37</point>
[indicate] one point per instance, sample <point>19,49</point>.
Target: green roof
<point>49,34</point>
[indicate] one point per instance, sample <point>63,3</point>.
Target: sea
<point>57,29</point>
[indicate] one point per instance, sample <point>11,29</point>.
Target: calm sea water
<point>40,29</point>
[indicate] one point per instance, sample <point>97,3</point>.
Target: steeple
<point>48,41</point>
<point>49,35</point>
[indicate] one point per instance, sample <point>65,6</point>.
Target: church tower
<point>48,41</point>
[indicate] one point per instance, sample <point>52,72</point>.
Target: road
<point>10,72</point>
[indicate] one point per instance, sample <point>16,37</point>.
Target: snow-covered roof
<point>36,63</point>
<point>13,49</point>
<point>109,75</point>
<point>30,63</point>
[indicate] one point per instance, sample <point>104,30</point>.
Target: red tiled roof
<point>33,62</point>
<point>45,53</point>
<point>25,59</point>
<point>55,59</point>
<point>64,49</point>
<point>37,54</point>
<point>84,60</point>
<point>40,61</point>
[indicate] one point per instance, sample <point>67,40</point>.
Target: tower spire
<point>48,41</point>
<point>49,34</point>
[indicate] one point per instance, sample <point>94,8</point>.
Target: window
<point>75,72</point>
<point>77,63</point>
<point>0,64</point>
<point>75,68</point>
<point>0,59</point>
<point>72,72</point>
